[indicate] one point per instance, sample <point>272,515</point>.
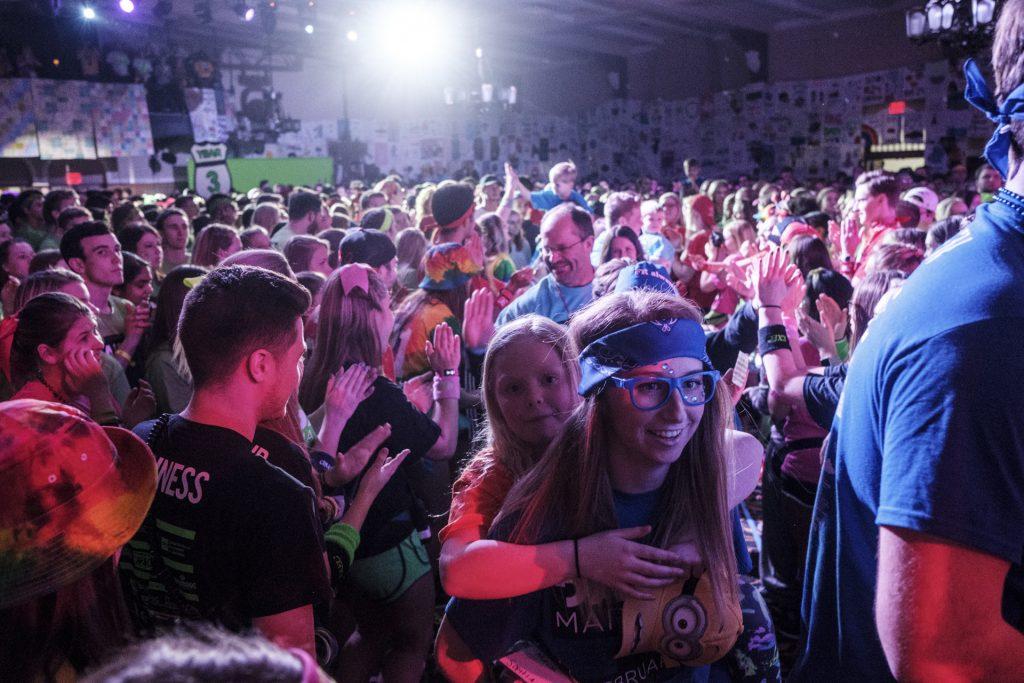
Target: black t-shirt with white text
<point>229,537</point>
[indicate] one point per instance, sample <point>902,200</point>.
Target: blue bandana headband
<point>644,275</point>
<point>639,345</point>
<point>997,151</point>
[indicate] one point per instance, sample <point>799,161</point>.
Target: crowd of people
<point>485,430</point>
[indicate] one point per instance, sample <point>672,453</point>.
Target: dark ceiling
<point>519,32</point>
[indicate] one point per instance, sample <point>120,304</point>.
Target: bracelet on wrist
<point>121,353</point>
<point>772,338</point>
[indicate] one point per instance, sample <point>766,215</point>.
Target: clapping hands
<point>445,352</point>
<point>478,319</point>
<point>346,390</point>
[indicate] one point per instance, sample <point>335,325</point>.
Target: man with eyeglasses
<point>566,239</point>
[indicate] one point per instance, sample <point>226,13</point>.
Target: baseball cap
<point>73,493</point>
<point>923,197</point>
<point>371,247</point>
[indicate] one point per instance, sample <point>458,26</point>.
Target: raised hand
<point>817,333</point>
<point>738,277</point>
<point>350,463</point>
<point>139,405</point>
<point>770,279</point>
<point>832,316</point>
<point>445,352</point>
<point>849,236</point>
<point>375,479</point>
<point>346,390</point>
<point>380,473</point>
<point>632,569</point>
<point>478,319</point>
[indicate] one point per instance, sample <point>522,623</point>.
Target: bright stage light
<point>417,32</point>
<point>309,29</point>
<point>127,6</point>
<point>249,13</point>
<point>352,36</point>
<point>88,13</point>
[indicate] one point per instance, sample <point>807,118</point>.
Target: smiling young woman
<point>643,451</point>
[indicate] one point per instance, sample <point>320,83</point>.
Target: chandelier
<point>961,27</point>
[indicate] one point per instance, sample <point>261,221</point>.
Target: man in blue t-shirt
<point>914,565</point>
<point>566,238</point>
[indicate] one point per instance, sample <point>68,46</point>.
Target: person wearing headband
<point>644,451</point>
<point>454,209</point>
<point>914,565</point>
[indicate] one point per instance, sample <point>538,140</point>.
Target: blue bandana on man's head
<point>997,151</point>
<point>639,345</point>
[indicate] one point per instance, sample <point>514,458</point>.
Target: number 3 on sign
<point>212,174</point>
<point>213,182</point>
<point>212,179</point>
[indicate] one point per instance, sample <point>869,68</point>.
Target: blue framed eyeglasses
<point>651,393</point>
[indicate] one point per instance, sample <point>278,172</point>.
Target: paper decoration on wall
<point>311,140</point>
<point>202,111</point>
<point>815,126</point>
<point>63,112</point>
<point>122,123</point>
<point>17,119</point>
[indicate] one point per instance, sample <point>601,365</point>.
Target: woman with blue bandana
<point>643,449</point>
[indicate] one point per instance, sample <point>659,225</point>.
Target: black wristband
<point>772,338</point>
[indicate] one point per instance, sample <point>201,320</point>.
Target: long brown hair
<point>211,239</point>
<point>500,442</point>
<point>569,493</point>
<point>866,296</point>
<point>45,319</point>
<point>345,333</point>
